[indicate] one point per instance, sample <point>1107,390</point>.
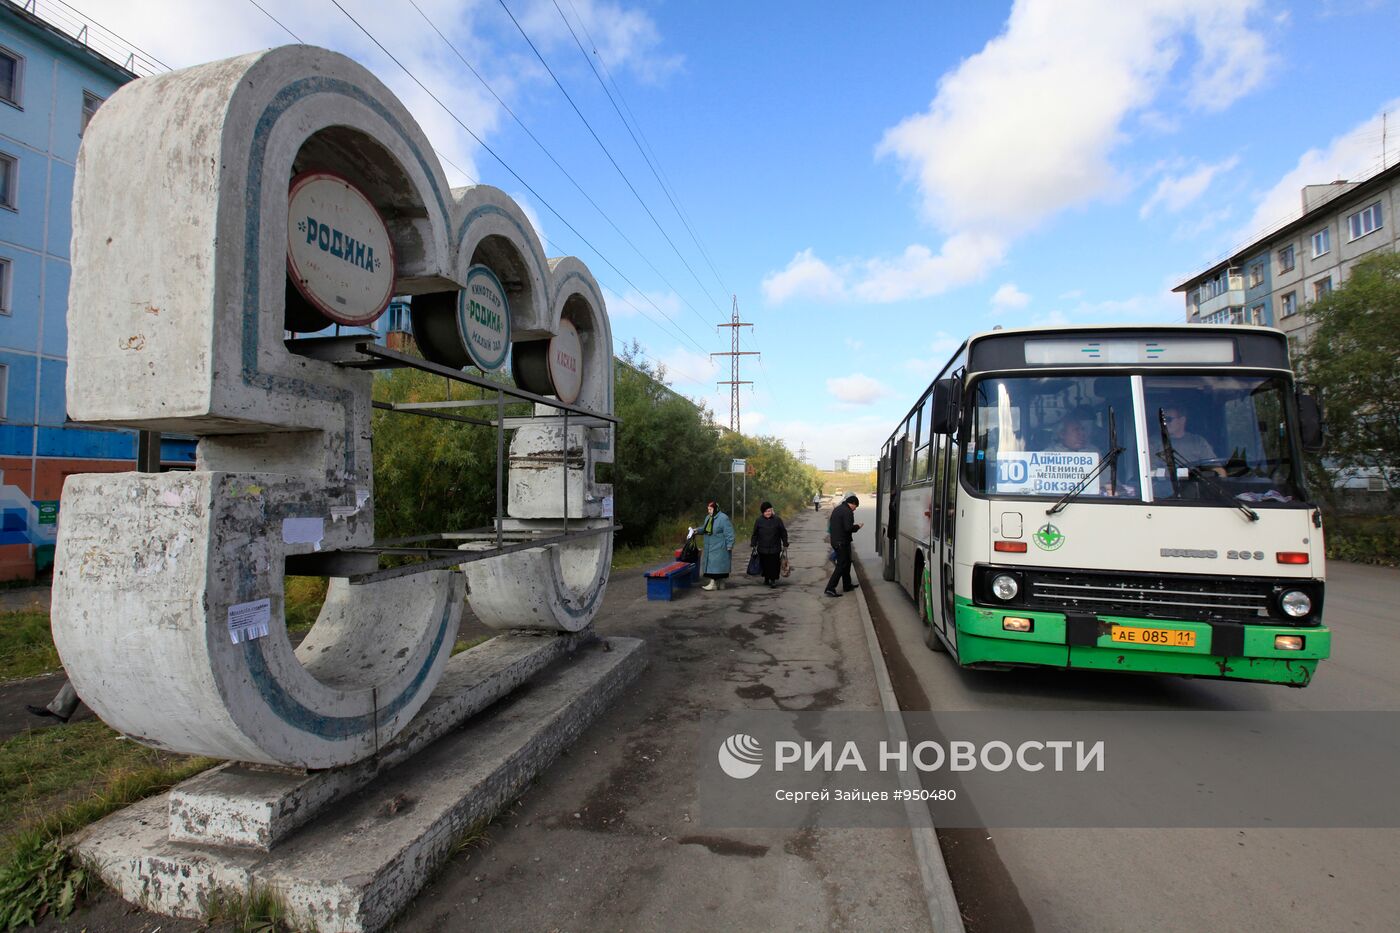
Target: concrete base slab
<point>238,804</point>
<point>354,867</point>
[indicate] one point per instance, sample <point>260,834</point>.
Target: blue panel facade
<point>87,443</point>
<point>20,330</point>
<point>16,440</point>
<point>1258,283</point>
<point>43,134</point>
<point>56,277</point>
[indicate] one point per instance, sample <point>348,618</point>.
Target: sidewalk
<point>605,841</point>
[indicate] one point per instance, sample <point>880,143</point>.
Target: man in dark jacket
<point>843,525</point>
<point>769,539</point>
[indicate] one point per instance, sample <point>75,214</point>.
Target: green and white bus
<point>1126,498</point>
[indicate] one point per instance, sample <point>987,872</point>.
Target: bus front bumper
<point>1229,651</point>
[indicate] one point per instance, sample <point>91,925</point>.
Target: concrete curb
<point>943,913</point>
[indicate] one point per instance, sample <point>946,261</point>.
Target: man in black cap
<point>843,525</point>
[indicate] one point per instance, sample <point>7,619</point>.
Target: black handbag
<point>755,566</point>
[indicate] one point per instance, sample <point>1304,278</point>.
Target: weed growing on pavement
<point>464,644</point>
<point>38,875</point>
<point>260,910</point>
<point>26,644</point>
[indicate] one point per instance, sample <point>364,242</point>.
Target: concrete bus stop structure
<point>168,590</point>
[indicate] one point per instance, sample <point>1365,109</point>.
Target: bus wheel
<point>921,599</point>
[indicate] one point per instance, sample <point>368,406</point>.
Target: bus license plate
<point>1165,637</point>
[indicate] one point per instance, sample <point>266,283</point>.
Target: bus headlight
<point>1005,587</point>
<point>1295,603</point>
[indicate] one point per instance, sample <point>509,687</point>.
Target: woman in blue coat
<point>717,546</point>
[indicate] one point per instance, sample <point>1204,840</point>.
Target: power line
<point>609,154</point>
<point>652,161</point>
<point>506,107</point>
<point>516,175</point>
<point>275,20</point>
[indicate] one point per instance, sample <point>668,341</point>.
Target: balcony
<point>1231,298</point>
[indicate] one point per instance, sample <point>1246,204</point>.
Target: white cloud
<point>864,434</point>
<point>1352,155</point>
<point>685,368</point>
<point>940,351</point>
<point>1009,297</point>
<point>856,389</point>
<point>920,273</point>
<point>916,273</point>
<point>180,34</point>
<point>1176,193</point>
<point>805,277</point>
<point>855,345</point>
<point>1025,128</point>
<point>633,303</point>
<point>1162,307</point>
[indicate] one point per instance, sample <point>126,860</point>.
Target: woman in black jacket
<point>769,539</point>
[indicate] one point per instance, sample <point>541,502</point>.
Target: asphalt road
<point>1185,879</point>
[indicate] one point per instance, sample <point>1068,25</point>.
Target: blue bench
<point>662,582</point>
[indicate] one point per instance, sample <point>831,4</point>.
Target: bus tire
<point>931,638</point>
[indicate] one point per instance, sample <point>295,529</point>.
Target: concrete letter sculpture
<point>168,592</point>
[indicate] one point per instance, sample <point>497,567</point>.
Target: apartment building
<point>51,83</point>
<point>1273,280</point>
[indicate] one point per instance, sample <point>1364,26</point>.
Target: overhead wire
<point>506,107</point>
<point>648,153</point>
<point>275,20</point>
<point>608,153</point>
<point>504,164</point>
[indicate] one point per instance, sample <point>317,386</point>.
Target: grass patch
<point>304,596</point>
<point>258,911</point>
<point>464,644</point>
<point>41,774</point>
<point>26,644</point>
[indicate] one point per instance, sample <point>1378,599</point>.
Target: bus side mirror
<point>945,406</point>
<point>1310,422</point>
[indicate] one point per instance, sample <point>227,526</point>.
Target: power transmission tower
<point>802,453</point>
<point>734,353</point>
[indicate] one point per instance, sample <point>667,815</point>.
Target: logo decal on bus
<point>1048,538</point>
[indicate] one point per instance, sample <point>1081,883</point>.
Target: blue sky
<point>871,187</point>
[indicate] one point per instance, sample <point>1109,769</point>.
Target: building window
<point>1286,260</point>
<point>1256,314</point>
<point>1322,242</point>
<point>1256,275</point>
<point>5,276</point>
<point>1322,288</point>
<point>90,104</point>
<point>1365,221</point>
<point>4,391</point>
<point>1289,304</point>
<point>9,179</point>
<point>11,76</point>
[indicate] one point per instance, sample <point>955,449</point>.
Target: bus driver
<point>1190,449</point>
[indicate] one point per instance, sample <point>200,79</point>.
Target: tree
<point>1352,357</point>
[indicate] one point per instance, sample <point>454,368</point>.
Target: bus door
<point>890,565</point>
<point>942,528</point>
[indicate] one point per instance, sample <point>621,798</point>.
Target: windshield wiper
<point>1113,445</point>
<point>1110,458</point>
<point>1169,453</point>
<point>1206,478</point>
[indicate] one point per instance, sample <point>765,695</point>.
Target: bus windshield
<point>1227,432</point>
<point>1228,438</point>
<point>1042,436</point>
